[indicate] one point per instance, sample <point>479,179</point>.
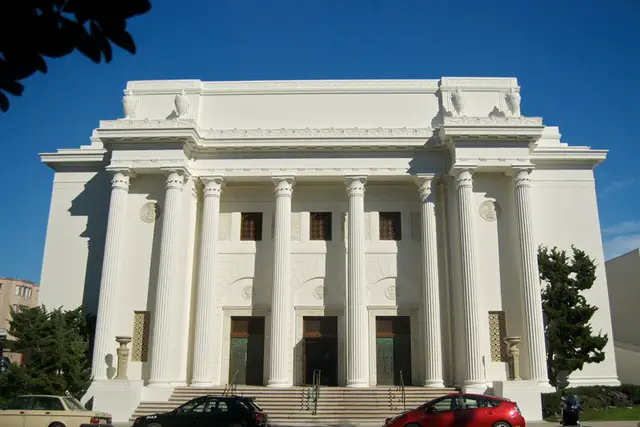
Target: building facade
<point>14,294</point>
<point>623,278</point>
<point>257,231</point>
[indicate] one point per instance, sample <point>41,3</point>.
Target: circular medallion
<point>390,292</point>
<point>489,210</point>
<point>149,212</point>
<point>318,292</point>
<point>247,292</point>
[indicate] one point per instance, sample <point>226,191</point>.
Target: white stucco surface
<point>317,134</point>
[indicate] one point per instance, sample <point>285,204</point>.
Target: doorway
<point>320,347</point>
<point>246,352</point>
<point>393,350</point>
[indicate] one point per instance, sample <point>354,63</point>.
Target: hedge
<point>592,398</point>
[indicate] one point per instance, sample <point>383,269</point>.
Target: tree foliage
<point>31,30</point>
<point>55,349</point>
<point>569,335</point>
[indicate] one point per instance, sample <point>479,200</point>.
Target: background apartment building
<point>17,294</point>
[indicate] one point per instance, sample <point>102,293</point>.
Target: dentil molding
<point>493,121</point>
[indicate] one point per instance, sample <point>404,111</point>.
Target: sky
<point>577,62</point>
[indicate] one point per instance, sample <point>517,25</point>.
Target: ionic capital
<point>121,178</point>
<point>175,179</point>
<point>212,185</point>
<point>426,186</point>
<point>464,176</point>
<point>283,186</point>
<point>355,185</point>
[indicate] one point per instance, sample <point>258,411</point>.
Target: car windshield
<point>73,404</point>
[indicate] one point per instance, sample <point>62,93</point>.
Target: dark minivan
<point>210,411</point>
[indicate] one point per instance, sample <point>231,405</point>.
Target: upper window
<point>390,226</point>
<point>320,226</point>
<point>251,226</point>
<point>45,403</point>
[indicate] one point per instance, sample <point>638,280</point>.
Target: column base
<point>434,384</point>
<point>179,384</point>
<point>357,384</point>
<point>160,384</point>
<point>278,383</point>
<point>475,387</point>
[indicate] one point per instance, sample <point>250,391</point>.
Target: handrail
<point>403,394</point>
<point>317,375</point>
<point>230,388</point>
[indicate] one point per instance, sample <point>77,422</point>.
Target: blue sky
<point>577,63</point>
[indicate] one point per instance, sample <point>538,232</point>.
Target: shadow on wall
<point>93,203</point>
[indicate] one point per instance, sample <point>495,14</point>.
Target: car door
<point>226,413</point>
<point>43,411</point>
<point>475,411</point>
<point>439,413</point>
<point>188,415</point>
<point>13,414</point>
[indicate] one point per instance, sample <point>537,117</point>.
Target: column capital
<point>464,176</point>
<point>283,185</point>
<point>175,178</point>
<point>212,185</point>
<point>355,185</point>
<point>426,185</point>
<point>521,175</point>
<point>121,178</point>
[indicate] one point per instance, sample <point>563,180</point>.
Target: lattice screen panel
<point>497,333</point>
<point>140,339</point>
<point>320,226</point>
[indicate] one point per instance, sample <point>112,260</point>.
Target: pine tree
<point>569,335</point>
<point>55,345</point>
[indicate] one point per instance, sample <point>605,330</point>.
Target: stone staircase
<point>295,406</point>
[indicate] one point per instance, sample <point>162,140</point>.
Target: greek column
<point>532,300</point>
<point>471,313</point>
<point>357,336</point>
<point>203,356</point>
<point>164,311</point>
<point>280,356</point>
<point>107,305</point>
<point>430,285</point>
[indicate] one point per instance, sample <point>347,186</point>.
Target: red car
<point>461,410</point>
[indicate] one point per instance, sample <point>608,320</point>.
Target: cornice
<point>280,87</point>
<point>74,157</point>
<point>530,128</point>
<point>316,133</point>
<point>568,155</point>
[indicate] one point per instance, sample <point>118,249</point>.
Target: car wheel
<point>155,425</point>
<point>56,424</point>
<point>412,425</point>
<point>502,424</point>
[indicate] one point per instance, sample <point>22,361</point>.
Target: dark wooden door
<point>393,350</point>
<point>246,353</point>
<point>320,341</point>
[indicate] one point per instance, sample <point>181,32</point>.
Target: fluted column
<point>203,356</point>
<point>357,329</point>
<point>471,313</point>
<point>107,304</point>
<point>162,343</point>
<point>531,297</point>
<point>430,285</point>
<point>280,356</point>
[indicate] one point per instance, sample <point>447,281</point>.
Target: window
<point>475,402</point>
<point>0,288</point>
<point>17,291</point>
<point>20,403</point>
<point>390,226</point>
<point>251,226</point>
<point>42,403</point>
<point>497,334</point>
<point>445,404</point>
<point>320,226</point>
<point>73,404</point>
<point>193,406</point>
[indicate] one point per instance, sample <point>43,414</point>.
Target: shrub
<point>592,398</point>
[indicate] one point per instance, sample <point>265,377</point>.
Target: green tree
<point>569,335</point>
<point>32,30</point>
<point>55,346</point>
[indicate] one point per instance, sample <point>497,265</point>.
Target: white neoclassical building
<point>377,230</point>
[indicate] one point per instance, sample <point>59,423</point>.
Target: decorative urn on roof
<point>182,103</point>
<point>457,99</point>
<point>513,102</point>
<point>129,104</point>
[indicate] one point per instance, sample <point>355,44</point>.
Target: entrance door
<point>320,344</point>
<point>246,354</point>
<point>393,350</point>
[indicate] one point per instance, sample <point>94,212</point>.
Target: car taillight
<point>94,420</point>
<point>260,418</point>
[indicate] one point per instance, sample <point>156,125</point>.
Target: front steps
<point>295,405</point>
